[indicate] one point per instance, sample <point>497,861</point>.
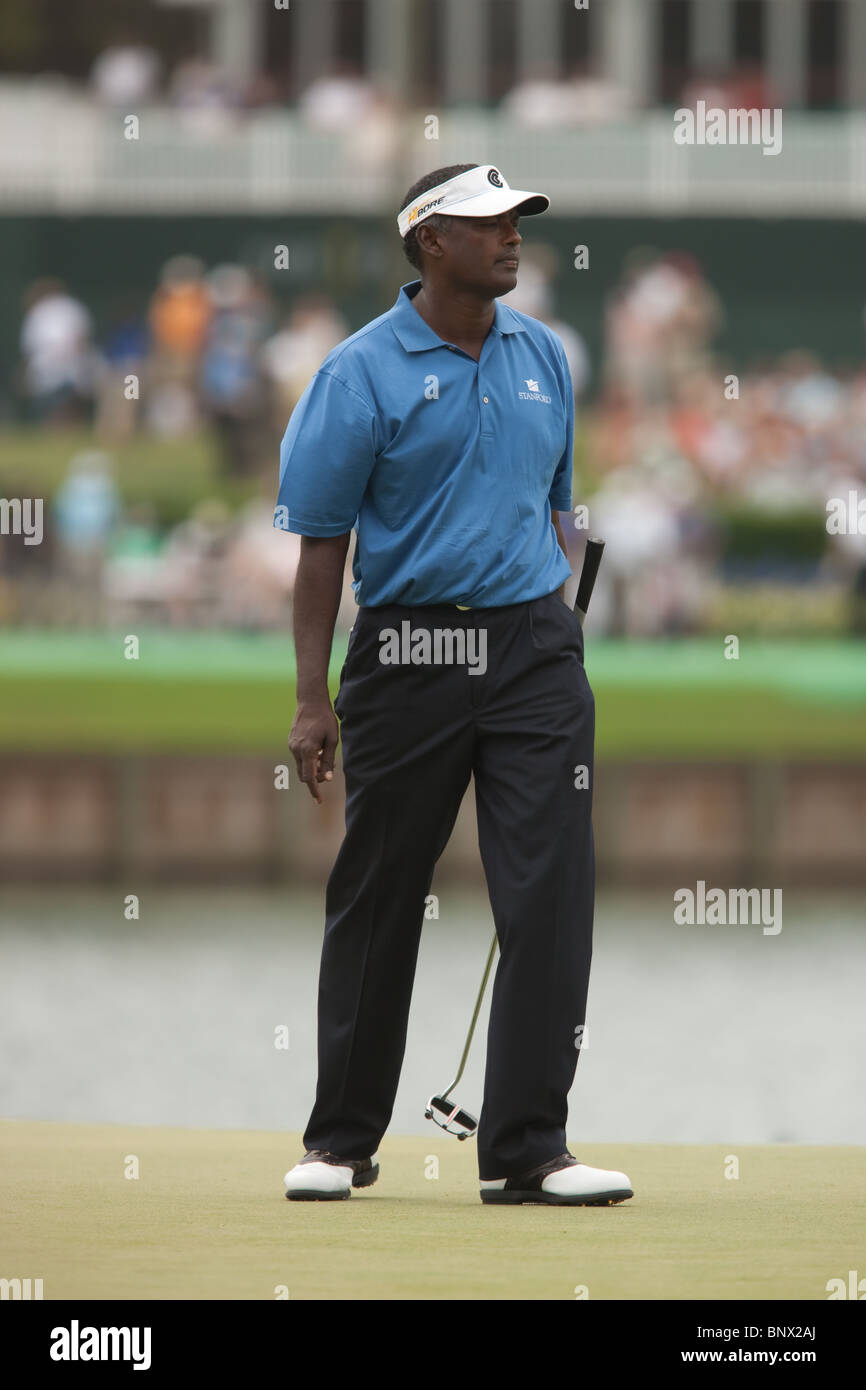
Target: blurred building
<point>811,53</point>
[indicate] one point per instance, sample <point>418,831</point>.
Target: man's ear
<point>428,239</point>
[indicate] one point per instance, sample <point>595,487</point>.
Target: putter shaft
<point>487,969</point>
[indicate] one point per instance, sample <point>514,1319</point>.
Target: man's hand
<point>313,743</point>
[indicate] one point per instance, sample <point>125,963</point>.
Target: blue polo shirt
<point>448,468</point>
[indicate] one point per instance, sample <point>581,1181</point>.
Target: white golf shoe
<point>562,1182</point>
<point>322,1177</point>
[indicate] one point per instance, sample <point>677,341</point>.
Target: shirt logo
<point>534,393</point>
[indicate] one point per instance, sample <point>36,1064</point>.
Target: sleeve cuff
<point>299,527</point>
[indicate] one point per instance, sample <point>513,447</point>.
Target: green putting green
<point>206,1218</point>
<point>202,691</point>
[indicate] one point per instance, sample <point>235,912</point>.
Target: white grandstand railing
<point>62,154</point>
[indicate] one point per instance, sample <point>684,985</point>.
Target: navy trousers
<point>412,735</point>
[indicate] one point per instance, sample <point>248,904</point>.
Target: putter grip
<point>591,562</point>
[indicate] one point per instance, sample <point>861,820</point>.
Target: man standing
<point>443,431</point>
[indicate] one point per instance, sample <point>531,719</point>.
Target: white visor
<point>480,192</point>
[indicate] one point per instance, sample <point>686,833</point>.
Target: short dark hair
<point>438,220</point>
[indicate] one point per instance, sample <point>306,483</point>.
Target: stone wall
<point>173,818</point>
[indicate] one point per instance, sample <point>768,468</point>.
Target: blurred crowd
<point>677,439</point>
<point>671,438</point>
<point>207,101</point>
<point>211,348</point>
<point>586,97</point>
<point>103,561</point>
<point>127,76</point>
<point>745,86</point>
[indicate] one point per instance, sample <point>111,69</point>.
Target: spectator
<point>179,319</point>
<point>294,354</point>
<point>86,509</point>
<point>197,84</point>
<point>744,87</point>
<point>207,99</point>
<point>126,75</point>
<point>586,97</point>
<point>230,379</point>
<point>135,579</point>
<point>659,323</point>
<point>590,98</point>
<point>372,141</point>
<point>60,361</point>
<point>125,351</point>
<point>539,102</point>
<point>339,100</point>
<point>259,573</point>
<point>751,88</point>
<point>713,86</point>
<point>194,560</point>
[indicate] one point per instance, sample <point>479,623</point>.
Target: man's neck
<point>455,315</point>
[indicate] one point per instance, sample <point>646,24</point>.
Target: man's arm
<point>554,516</point>
<point>318,589</point>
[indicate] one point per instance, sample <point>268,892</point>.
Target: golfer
<point>442,432</point>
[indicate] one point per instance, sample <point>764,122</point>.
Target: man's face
<point>480,253</point>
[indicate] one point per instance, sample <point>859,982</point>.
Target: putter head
<point>450,1117</point>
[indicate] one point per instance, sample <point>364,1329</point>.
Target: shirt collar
<point>417,336</point>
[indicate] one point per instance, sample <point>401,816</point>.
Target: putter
<point>440,1109</point>
<point>444,1112</point>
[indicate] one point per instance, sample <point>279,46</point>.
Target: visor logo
<point>423,208</point>
<point>494,177</point>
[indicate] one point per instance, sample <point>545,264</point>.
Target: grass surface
<point>204,691</point>
<point>207,1219</point>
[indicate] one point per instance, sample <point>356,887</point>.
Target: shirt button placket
<point>484,408</point>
